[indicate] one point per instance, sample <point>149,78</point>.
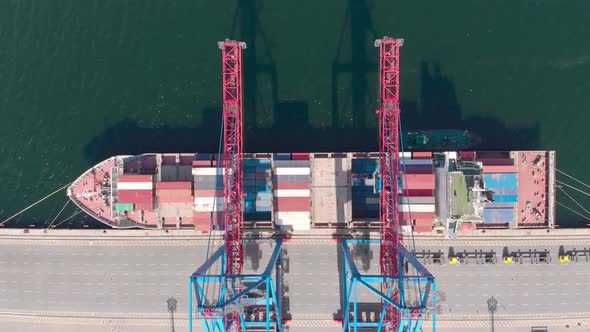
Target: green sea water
<point>83,80</point>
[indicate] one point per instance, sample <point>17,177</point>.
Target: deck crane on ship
<point>229,304</point>
<point>401,309</point>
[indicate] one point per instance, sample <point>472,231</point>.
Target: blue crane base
<point>245,293</point>
<point>411,315</point>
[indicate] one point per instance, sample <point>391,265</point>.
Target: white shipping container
<point>135,185</point>
<point>416,200</point>
<point>372,200</point>
<point>405,154</point>
<point>208,171</point>
<point>292,171</point>
<point>298,220</point>
<point>416,207</point>
<point>292,193</point>
<point>209,200</point>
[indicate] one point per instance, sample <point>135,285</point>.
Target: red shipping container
<point>131,196</point>
<point>410,185</point>
<point>423,228</point>
<point>174,192</point>
<point>173,185</point>
<point>497,161</point>
<point>287,204</point>
<point>147,206</point>
<point>202,163</point>
<point>418,215</point>
<point>208,193</point>
<point>422,155</point>
<point>180,199</point>
<point>467,154</point>
<point>134,178</point>
<point>499,169</point>
<point>419,178</point>
<point>291,185</point>
<point>416,169</point>
<point>417,192</point>
<point>300,156</point>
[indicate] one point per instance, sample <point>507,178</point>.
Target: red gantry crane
<point>404,294</point>
<point>230,306</point>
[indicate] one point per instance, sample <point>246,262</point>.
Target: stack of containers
<point>208,197</point>
<point>365,200</point>
<point>417,203</point>
<point>292,193</point>
<point>505,196</point>
<point>174,192</point>
<point>136,189</point>
<point>258,189</point>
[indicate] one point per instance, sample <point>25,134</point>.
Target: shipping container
<point>174,192</point>
<point>176,199</point>
<point>416,207</point>
<point>131,196</point>
<point>144,206</point>
<point>500,180</point>
<point>208,171</point>
<point>423,228</point>
<point>418,178</point>
<point>417,215</point>
<point>292,163</point>
<point>498,215</point>
<point>422,155</point>
<point>503,191</point>
<point>291,185</point>
<point>209,200</point>
<point>134,178</point>
<point>208,193</point>
<point>506,198</point>
<point>417,192</point>
<point>415,162</point>
<point>497,204</point>
<point>300,156</point>
<point>292,193</point>
<point>281,156</point>
<point>293,178</point>
<point>413,185</point>
<point>292,171</point>
<point>255,162</point>
<point>135,185</point>
<point>299,220</point>
<point>499,169</point>
<point>201,163</point>
<point>124,206</point>
<point>372,200</point>
<point>283,204</point>
<point>467,155</point>
<point>416,200</point>
<point>173,185</point>
<point>417,169</point>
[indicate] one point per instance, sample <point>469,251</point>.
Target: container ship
<point>440,192</point>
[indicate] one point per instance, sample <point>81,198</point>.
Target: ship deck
<point>333,191</point>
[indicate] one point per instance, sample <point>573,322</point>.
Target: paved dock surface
<point>124,286</point>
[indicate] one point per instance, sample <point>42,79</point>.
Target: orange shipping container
<point>180,199</point>
<point>208,193</point>
<point>174,192</point>
<point>288,204</point>
<point>173,185</point>
<point>422,155</point>
<point>499,169</point>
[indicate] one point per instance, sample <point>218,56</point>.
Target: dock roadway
<point>68,285</point>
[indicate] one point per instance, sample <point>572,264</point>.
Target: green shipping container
<point>124,206</point>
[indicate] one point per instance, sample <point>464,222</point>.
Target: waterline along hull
<point>439,191</point>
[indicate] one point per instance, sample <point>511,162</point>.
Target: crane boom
<point>232,164</point>
<point>389,161</point>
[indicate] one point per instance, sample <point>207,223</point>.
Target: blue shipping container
<point>256,162</point>
<point>263,196</point>
<point>504,191</point>
<point>263,208</point>
<point>500,180</point>
<point>281,156</point>
<point>506,198</point>
<point>498,215</point>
